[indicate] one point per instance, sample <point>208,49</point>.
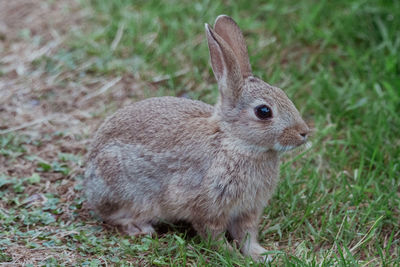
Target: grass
<point>338,202</point>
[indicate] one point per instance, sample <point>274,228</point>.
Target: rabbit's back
<point>159,123</point>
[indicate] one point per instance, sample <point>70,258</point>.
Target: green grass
<point>338,203</point>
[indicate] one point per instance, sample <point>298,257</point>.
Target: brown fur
<point>177,159</point>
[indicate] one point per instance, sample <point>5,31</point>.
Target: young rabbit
<point>170,159</point>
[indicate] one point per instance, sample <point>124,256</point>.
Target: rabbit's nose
<point>304,135</point>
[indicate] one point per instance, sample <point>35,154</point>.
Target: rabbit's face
<point>265,117</point>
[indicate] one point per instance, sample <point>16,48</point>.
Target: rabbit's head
<point>250,110</point>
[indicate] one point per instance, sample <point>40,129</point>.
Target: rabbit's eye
<point>263,112</point>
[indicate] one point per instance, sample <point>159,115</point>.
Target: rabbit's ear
<point>227,28</point>
<point>225,67</point>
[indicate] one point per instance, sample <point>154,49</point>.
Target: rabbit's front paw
<point>257,252</point>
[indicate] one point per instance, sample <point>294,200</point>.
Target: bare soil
<point>56,111</point>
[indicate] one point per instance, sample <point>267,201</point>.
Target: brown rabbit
<point>170,159</point>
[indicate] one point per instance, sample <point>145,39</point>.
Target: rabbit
<point>175,159</point>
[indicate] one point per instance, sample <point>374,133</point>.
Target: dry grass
<point>38,104</point>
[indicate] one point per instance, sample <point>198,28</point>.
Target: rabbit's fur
<point>172,159</point>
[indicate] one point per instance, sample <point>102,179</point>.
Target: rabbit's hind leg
<point>135,229</point>
<point>129,225</point>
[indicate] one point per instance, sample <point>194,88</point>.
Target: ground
<point>65,65</point>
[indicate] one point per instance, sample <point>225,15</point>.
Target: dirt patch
<point>39,18</point>
<point>23,256</point>
<point>56,111</point>
<point>35,99</point>
<point>30,30</point>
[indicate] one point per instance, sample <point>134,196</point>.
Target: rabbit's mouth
<point>281,148</point>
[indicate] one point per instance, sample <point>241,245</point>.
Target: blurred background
<point>65,65</point>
